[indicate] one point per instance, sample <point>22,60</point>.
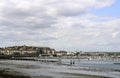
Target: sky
<point>72,25</point>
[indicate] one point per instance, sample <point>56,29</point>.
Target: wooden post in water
<point>73,61</point>
<point>60,61</point>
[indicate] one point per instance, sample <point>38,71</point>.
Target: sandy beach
<point>36,69</point>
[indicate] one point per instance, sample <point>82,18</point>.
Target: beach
<point>36,69</point>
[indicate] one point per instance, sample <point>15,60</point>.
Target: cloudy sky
<point>73,25</point>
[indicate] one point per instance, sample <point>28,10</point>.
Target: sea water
<point>106,64</point>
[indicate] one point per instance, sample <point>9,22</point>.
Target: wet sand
<point>13,74</point>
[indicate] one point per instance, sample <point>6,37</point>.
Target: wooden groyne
<point>35,59</point>
<point>47,60</point>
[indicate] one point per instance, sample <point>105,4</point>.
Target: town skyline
<point>55,48</point>
<point>70,25</point>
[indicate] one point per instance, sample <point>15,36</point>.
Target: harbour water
<point>106,64</point>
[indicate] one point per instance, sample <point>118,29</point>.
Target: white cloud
<point>55,7</point>
<point>114,35</point>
